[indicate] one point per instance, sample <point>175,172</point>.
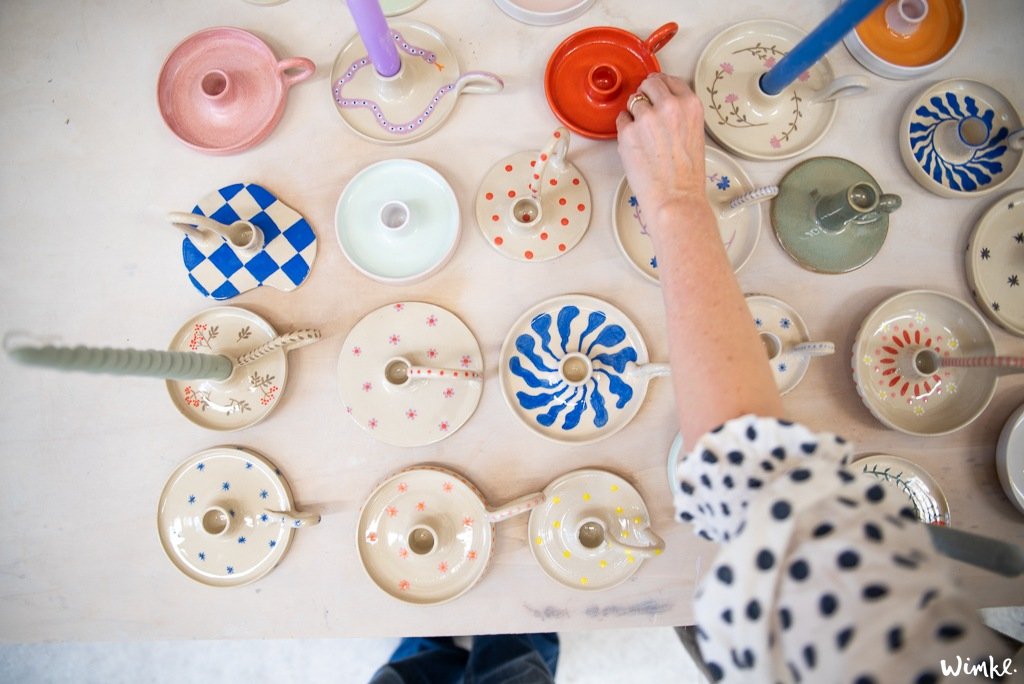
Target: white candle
<point>148,362</point>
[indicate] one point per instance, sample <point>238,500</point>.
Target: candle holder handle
<point>660,37</point>
<point>843,86</point>
<point>479,83</point>
<point>287,342</point>
<point>300,68</point>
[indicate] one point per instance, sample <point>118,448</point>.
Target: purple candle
<point>373,29</point>
<point>819,41</point>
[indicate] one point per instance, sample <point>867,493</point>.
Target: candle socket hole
<point>591,535</point>
<point>576,369</point>
<point>422,540</point>
<point>526,211</point>
<point>973,131</point>
<point>772,345</point>
<point>214,84</point>
<point>215,521</point>
<point>863,197</point>
<point>394,215</point>
<point>926,362</point>
<point>396,371</point>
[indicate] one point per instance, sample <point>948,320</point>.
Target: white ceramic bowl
<point>544,12</point>
<point>1010,458</point>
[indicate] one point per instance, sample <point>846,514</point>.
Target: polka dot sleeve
<point>825,576</point>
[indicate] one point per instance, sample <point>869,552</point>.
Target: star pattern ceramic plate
<point>739,115</point>
<point>774,316</point>
<point>928,134</point>
<point>726,180</point>
<point>574,369</point>
<point>995,263</point>
<point>899,396</point>
<point>251,392</point>
<point>424,536</point>
<point>562,547</point>
<point>407,252</point>
<point>219,550</point>
<point>1010,458</point>
<point>418,411</point>
<point>912,481</point>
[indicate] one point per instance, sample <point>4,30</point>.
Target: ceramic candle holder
<point>905,39</point>
<point>414,102</point>
<point>831,216</point>
<point>574,369</point>
<point>592,530</point>
<point>896,390</point>
<point>787,343</point>
<point>995,263</point>
<point>226,517</point>
<point>222,90</point>
<point>425,535</point>
<point>742,117</point>
<point>961,138</point>
<point>535,206</point>
<point>907,480</point>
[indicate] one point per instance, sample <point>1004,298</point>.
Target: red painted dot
<point>558,134</point>
<point>508,167</point>
<point>561,201</point>
<point>495,218</point>
<point>561,247</point>
<point>536,176</point>
<point>528,254</point>
<point>575,181</point>
<point>543,236</point>
<point>581,207</point>
<point>489,195</point>
<point>511,193</point>
<point>499,240</point>
<point>543,157</point>
<point>553,181</point>
<point>565,222</point>
<point>533,163</point>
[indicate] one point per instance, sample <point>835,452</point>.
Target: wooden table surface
<point>90,169</point>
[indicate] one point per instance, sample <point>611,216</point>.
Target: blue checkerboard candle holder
<point>219,271</point>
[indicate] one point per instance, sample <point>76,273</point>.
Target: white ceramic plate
<point>1010,458</point>
<point>912,481</point>
<point>995,263</point>
<point>775,316</point>
<point>544,12</point>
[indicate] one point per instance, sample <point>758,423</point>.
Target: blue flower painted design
<point>785,323</point>
<point>225,486</point>
<point>783,368</point>
<point>200,467</point>
<point>723,183</point>
<point>273,543</point>
<point>191,499</point>
<point>231,570</point>
<point>632,201</point>
<point>242,540</point>
<point>264,517</point>
<point>248,466</point>
<point>542,352</point>
<point>654,262</point>
<point>202,555</point>
<point>963,176</point>
<point>758,322</point>
<point>264,493</point>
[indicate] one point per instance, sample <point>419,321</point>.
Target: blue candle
<point>152,363</point>
<point>376,36</point>
<point>819,41</point>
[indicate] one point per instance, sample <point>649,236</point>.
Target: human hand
<point>661,142</point>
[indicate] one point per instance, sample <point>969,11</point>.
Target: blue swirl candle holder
<point>574,369</point>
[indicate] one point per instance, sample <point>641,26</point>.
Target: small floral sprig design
<point>728,112</point>
<point>638,214</point>
<point>202,335</point>
<point>777,140</point>
<point>199,399</point>
<point>721,182</point>
<point>265,385</point>
<point>763,53</point>
<point>244,334</point>
<point>237,406</point>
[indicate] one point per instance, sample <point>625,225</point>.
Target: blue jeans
<point>494,659</point>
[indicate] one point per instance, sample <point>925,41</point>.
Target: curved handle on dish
<point>554,153</point>
<point>295,518</point>
<point>646,371</point>
<point>660,36</point>
<point>887,204</point>
<point>479,83</point>
<point>241,236</point>
<point>843,86</point>
<point>287,342</point>
<point>431,373</point>
<point>190,223</point>
<point>1002,365</point>
<point>754,196</point>
<point>1016,139</point>
<point>515,507</point>
<point>810,349</point>
<point>648,551</point>
<point>303,68</point>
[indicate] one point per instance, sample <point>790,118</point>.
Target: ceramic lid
<point>995,262</point>
<point>412,243</point>
<point>424,536</point>
<point>574,369</point>
<point>218,517</point>
<point>284,263</point>
<point>572,530</point>
<point>725,181</point>
<point>544,12</point>
<point>410,410</point>
<point>251,392</point>
<point>739,115</point>
<point>776,317</point>
<point>883,368</point>
<point>222,90</point>
<point>911,481</point>
<point>592,73</point>
<point>1010,458</point>
<point>793,219</point>
<point>928,134</point>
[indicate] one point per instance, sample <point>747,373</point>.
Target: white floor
<point>628,655</point>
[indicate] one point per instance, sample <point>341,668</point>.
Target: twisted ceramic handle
<point>813,349</point>
<point>288,341</point>
<point>515,507</point>
<point>295,518</point>
<point>751,197</point>
<point>554,152</point>
<point>1002,364</point>
<point>653,549</point>
<point>430,373</point>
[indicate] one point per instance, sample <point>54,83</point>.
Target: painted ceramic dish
<point>251,392</point>
<point>534,226</point>
<point>425,535</point>
<point>780,323</point>
<point>388,397</point>
<point>895,392</point>
<point>397,221</point>
<point>726,181</point>
<point>544,12</point>
<point>739,115</point>
<point>592,73</point>
<point>226,517</point>
<point>413,103</point>
<point>392,8</point>
<point>955,138</point>
<point>574,369</point>
<point>893,53</point>
<point>794,218</point>
<point>995,263</point>
<point>592,531</point>
<point>1010,458</point>
<point>912,481</point>
<point>284,263</point>
<point>222,90</point>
